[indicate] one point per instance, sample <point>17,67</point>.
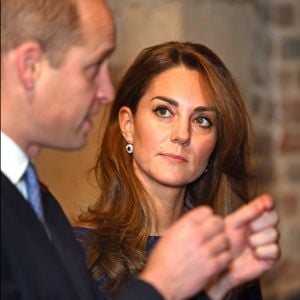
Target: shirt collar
<point>13,159</point>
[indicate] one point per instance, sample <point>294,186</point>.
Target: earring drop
<point>129,148</point>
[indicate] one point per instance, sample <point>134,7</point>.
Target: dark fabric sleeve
<point>248,291</point>
<point>203,296</point>
<point>200,296</point>
<point>138,289</point>
<point>9,290</point>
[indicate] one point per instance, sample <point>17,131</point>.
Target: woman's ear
<point>126,123</point>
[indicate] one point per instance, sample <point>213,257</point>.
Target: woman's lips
<point>174,158</point>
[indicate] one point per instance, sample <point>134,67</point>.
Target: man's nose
<point>105,91</point>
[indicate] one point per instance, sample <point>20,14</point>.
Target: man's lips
<point>174,158</point>
<point>87,124</point>
<point>89,118</point>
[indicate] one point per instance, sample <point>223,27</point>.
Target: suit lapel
<point>67,247</point>
<point>12,197</point>
<point>62,252</point>
<point>32,259</point>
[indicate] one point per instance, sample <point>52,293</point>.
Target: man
<point>54,75</point>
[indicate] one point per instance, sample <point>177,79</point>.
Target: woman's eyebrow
<point>166,99</point>
<point>204,108</point>
<point>175,103</point>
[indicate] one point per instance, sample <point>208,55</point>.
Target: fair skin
<point>53,108</point>
<point>60,118</point>
<point>253,251</point>
<point>253,239</point>
<point>173,135</point>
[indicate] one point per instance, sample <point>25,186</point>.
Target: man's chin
<point>71,146</point>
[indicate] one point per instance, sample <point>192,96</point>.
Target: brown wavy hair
<point>121,216</point>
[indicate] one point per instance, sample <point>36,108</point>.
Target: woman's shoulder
<point>82,233</point>
<point>151,243</point>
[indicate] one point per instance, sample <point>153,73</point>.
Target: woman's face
<point>173,131</point>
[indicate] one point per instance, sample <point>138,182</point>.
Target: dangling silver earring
<point>129,148</point>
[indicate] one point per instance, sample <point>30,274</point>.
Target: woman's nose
<point>181,133</point>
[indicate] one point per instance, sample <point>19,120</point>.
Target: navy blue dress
<point>252,291</point>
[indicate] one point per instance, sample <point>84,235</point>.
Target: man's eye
<point>93,70</point>
<point>162,111</point>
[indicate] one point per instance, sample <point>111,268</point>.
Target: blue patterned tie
<point>34,191</point>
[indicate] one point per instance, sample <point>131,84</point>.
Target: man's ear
<point>28,62</point>
<point>126,123</point>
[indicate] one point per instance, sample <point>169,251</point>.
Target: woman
<point>177,138</point>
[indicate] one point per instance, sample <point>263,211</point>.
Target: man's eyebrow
<point>101,55</point>
<point>106,53</point>
<point>176,104</point>
<point>109,51</point>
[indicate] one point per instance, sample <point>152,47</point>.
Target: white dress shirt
<point>14,162</point>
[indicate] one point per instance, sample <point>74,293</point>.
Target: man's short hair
<point>54,24</point>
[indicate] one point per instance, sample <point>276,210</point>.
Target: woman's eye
<point>163,112</point>
<point>203,122</point>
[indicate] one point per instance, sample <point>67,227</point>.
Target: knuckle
<point>274,234</point>
<point>276,217</point>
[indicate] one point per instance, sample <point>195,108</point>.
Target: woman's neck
<point>168,206</point>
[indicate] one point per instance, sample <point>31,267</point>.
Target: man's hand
<point>253,238</point>
<point>191,252</point>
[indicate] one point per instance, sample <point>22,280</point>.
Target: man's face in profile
<point>72,93</point>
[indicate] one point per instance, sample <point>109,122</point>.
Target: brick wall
<point>275,102</point>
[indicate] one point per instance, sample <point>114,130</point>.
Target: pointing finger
<point>250,211</point>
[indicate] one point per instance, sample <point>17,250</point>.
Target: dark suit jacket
<point>34,267</point>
